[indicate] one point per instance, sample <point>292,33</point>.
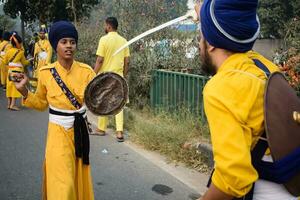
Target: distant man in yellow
<point>42,52</point>
<point>106,62</point>
<point>15,61</point>
<point>4,47</point>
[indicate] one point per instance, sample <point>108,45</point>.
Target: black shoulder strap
<point>65,89</point>
<point>261,66</point>
<point>12,58</point>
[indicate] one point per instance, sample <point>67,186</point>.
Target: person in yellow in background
<point>42,53</point>
<point>15,61</point>
<point>67,171</point>
<point>5,45</point>
<point>233,99</point>
<point>106,62</point>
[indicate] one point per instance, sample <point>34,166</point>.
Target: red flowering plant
<point>289,61</point>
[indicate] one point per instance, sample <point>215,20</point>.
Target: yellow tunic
<point>16,64</point>
<point>66,178</point>
<point>108,45</point>
<point>42,54</point>
<point>4,47</point>
<point>233,101</point>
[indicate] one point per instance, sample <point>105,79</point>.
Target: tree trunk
<point>22,28</point>
<point>74,13</point>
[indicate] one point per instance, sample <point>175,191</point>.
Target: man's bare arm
<point>126,66</point>
<point>98,64</point>
<point>213,193</point>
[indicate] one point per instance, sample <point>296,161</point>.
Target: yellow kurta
<point>233,101</point>
<point>66,178</point>
<point>42,55</point>
<point>20,62</point>
<point>4,47</point>
<point>107,46</point>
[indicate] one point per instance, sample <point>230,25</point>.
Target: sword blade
<point>153,30</point>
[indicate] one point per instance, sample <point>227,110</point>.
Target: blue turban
<point>230,24</point>
<point>62,29</point>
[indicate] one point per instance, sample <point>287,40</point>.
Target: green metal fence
<point>174,90</point>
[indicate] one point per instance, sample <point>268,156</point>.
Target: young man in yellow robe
<point>42,53</point>
<point>4,47</point>
<point>106,62</point>
<point>67,173</point>
<point>233,98</point>
<point>15,61</point>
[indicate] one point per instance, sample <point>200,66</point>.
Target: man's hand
<point>21,85</point>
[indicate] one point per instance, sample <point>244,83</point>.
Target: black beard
<point>106,31</point>
<point>207,65</point>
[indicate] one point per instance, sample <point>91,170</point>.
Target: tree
<point>275,15</point>
<point>6,23</point>
<point>48,10</point>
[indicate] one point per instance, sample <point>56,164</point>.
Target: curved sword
<point>174,21</point>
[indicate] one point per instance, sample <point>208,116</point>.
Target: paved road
<point>119,174</point>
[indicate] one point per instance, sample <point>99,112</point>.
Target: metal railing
<point>175,90</point>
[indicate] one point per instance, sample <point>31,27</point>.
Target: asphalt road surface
<point>118,172</point>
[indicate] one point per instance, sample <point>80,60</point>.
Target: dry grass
<point>174,135</point>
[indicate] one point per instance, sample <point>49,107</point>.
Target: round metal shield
<point>283,131</point>
<point>106,94</point>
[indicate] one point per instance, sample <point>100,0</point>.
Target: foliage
<point>48,10</point>
<point>6,23</point>
<point>290,66</point>
<point>274,15</point>
<point>166,49</point>
<point>175,138</point>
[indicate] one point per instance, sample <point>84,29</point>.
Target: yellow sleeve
<point>50,51</point>
<point>37,100</point>
<point>234,173</point>
<point>127,52</point>
<point>24,61</point>
<point>101,48</point>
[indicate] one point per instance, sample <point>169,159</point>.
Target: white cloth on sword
<point>266,190</point>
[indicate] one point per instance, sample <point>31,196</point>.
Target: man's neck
<point>67,64</point>
<point>220,57</point>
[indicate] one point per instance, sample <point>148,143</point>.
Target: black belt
<point>81,136</point>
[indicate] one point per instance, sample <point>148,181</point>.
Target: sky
<point>190,4</point>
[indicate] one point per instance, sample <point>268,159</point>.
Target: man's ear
<point>210,48</point>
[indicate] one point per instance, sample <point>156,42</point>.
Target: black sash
<point>81,135</point>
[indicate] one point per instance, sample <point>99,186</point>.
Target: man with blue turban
<point>233,98</point>
<point>61,86</point>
